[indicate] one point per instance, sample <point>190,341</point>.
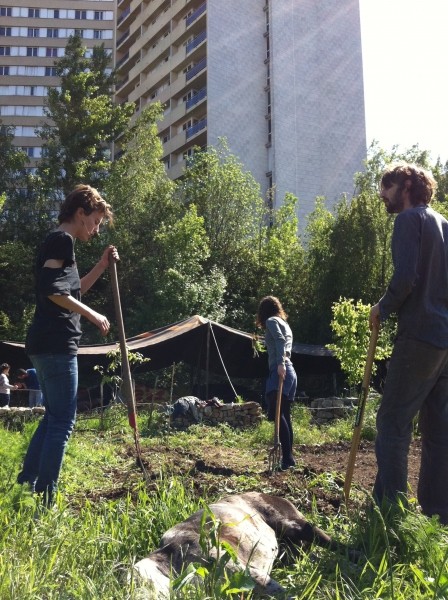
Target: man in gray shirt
<point>417,378</point>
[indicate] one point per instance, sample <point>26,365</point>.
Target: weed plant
<point>85,547</point>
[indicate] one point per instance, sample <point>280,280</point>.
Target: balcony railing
<point>196,128</point>
<point>196,69</point>
<point>124,14</point>
<point>122,60</point>
<point>121,83</point>
<point>122,38</point>
<point>197,13</point>
<point>196,41</point>
<point>196,98</point>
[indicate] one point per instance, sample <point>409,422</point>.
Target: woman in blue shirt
<point>278,339</point>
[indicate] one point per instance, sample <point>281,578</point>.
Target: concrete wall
<point>317,98</point>
<point>236,76</point>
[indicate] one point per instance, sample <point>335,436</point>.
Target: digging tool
<point>128,390</point>
<point>360,411</point>
<point>275,451</point>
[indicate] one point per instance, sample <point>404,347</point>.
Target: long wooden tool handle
<point>360,411</point>
<point>278,409</point>
<point>127,381</point>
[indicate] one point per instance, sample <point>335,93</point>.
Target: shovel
<point>360,412</point>
<point>275,451</point>
<point>127,380</point>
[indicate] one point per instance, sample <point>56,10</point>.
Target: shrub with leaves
<point>350,326</point>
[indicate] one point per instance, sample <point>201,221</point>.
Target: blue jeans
<point>58,380</point>
<point>34,398</point>
<point>286,433</point>
<point>417,381</point>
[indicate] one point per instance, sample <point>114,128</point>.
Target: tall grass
<point>85,547</point>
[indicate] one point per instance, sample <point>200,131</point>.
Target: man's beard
<point>396,204</point>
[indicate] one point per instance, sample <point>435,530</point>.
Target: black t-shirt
<point>54,329</point>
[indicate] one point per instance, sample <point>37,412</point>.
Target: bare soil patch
<point>218,470</point>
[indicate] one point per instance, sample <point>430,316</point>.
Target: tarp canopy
<point>199,342</point>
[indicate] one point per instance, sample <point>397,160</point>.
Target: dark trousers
<point>285,433</point>
<point>417,381</point>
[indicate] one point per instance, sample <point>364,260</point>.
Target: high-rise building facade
<point>281,80</point>
<point>33,34</point>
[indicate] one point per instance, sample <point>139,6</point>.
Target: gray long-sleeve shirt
<point>278,340</point>
<point>418,290</point>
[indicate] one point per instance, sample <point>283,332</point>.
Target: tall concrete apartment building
<point>282,80</point>
<point>33,33</point>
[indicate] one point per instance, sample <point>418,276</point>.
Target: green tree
<point>280,267</point>
<point>228,198</point>
<point>348,249</point>
<point>17,285</point>
<point>350,326</point>
<point>83,121</point>
<point>180,285</point>
<point>12,161</point>
<point>440,172</point>
<point>163,245</point>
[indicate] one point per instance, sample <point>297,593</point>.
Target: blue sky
<point>405,56</point>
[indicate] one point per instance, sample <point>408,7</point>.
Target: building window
<point>50,52</point>
<point>5,11</point>
<point>80,14</point>
<point>4,70</point>
<point>52,32</point>
<point>50,72</point>
<point>33,31</point>
<point>31,51</point>
<point>79,33</point>
<point>56,13</point>
<point>34,13</point>
<point>5,31</point>
<point>99,15</point>
<point>97,34</point>
<point>5,51</point>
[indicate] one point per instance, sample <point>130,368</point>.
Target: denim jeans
<point>286,433</point>
<point>417,380</point>
<point>34,398</point>
<point>58,380</point>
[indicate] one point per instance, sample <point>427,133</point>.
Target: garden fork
<point>275,451</point>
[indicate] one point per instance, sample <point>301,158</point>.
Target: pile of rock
<point>242,415</point>
<point>326,410</point>
<point>15,413</point>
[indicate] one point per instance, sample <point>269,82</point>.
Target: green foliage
<point>183,287</point>
<point>83,120</point>
<point>228,199</point>
<point>348,248</point>
<point>17,285</point>
<point>217,575</point>
<point>86,547</point>
<point>440,172</point>
<point>350,327</point>
<point>280,267</point>
<point>111,373</point>
<point>12,160</point>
